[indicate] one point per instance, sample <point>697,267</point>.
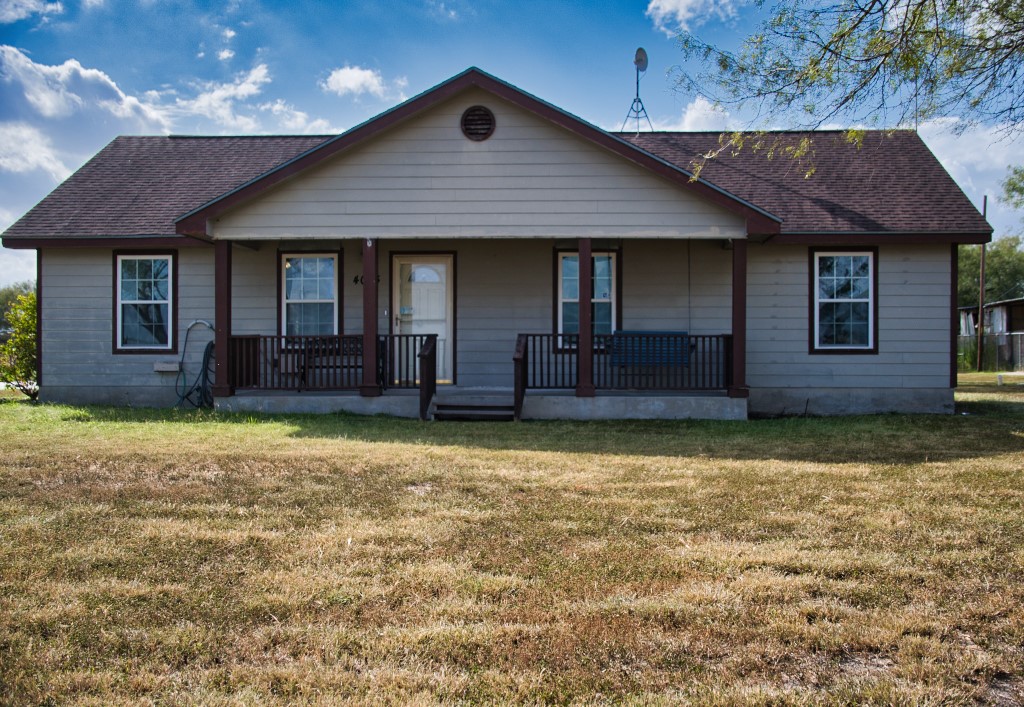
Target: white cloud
<point>225,54</point>
<point>442,10</point>
<point>673,16</point>
<point>200,55</point>
<point>354,80</point>
<point>24,148</point>
<point>93,4</point>
<point>977,159</point>
<point>229,34</point>
<point>217,101</point>
<point>65,89</point>
<point>296,121</point>
<point>700,114</point>
<point>14,10</point>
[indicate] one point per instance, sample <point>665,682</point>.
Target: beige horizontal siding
<point>913,322</point>
<point>531,179</point>
<point>77,342</point>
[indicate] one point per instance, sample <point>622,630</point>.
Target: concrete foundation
<point>633,407</point>
<point>397,405</point>
<point>773,402</point>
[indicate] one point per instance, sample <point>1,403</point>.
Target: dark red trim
<point>39,318</point>
<point>585,350</point>
<point>194,223</point>
<point>222,319</point>
<point>455,298</point>
<point>370,387</point>
<point>738,388</point>
<point>124,242</point>
<point>812,283</point>
<point>876,239</point>
<point>172,309</point>
<point>339,276</point>
<point>954,322</point>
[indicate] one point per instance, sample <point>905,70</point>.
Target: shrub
<point>18,362</point>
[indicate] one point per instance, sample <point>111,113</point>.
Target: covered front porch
<point>650,360</point>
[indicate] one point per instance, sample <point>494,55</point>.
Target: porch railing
<point>265,362</point>
<point>625,361</point>
<point>399,362</point>
<point>296,362</point>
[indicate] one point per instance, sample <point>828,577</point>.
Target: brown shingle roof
<point>138,186</point>
<point>891,184</point>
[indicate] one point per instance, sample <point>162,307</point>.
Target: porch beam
<point>585,349</point>
<point>738,388</point>
<point>222,319</point>
<point>370,387</point>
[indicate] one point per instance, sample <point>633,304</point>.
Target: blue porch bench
<point>648,349</point>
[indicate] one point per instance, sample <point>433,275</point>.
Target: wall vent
<point>478,123</point>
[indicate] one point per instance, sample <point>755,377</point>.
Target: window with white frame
<point>844,300</point>
<point>145,306</point>
<point>309,297</point>
<point>603,304</point>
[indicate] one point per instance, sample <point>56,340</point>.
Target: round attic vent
<point>478,123</point>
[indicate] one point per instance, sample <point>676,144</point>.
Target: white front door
<point>423,296</point>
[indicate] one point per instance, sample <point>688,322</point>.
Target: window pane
<point>129,290</point>
<point>826,266</point>
<point>602,314</point>
<point>859,312</point>
<point>570,266</point>
<point>570,318</point>
<point>144,325</point>
<point>159,269</point>
<point>861,266</point>
<point>325,268</point>
<point>309,288</point>
<point>128,269</point>
<point>325,319</point>
<point>843,267</point>
<point>570,288</point>
<point>145,269</point>
<point>326,290</point>
<point>859,288</point>
<point>144,291</point>
<point>826,288</point>
<point>859,335</point>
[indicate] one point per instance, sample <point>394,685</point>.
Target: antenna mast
<point>637,110</point>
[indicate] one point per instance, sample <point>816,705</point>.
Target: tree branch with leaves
<point>872,63</point>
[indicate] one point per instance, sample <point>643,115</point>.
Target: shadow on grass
<point>985,424</point>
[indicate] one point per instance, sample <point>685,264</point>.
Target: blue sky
<point>76,73</point>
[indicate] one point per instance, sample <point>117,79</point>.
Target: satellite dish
<point>637,110</point>
<point>640,61</point>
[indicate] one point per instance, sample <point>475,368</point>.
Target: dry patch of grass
<point>187,557</point>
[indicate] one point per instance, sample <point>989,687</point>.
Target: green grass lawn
<point>196,558</point>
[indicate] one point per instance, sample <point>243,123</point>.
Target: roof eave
<point>881,237</point>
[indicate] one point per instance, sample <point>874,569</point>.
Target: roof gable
<point>425,179</point>
<point>758,220</point>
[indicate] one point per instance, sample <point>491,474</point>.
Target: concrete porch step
<point>474,407</point>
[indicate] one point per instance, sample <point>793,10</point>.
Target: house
<point>433,257</point>
<point>1002,317</point>
<point>1003,345</point>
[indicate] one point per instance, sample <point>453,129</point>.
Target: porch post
<point>222,319</point>
<point>739,389</point>
<point>371,386</point>
<point>585,349</point>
